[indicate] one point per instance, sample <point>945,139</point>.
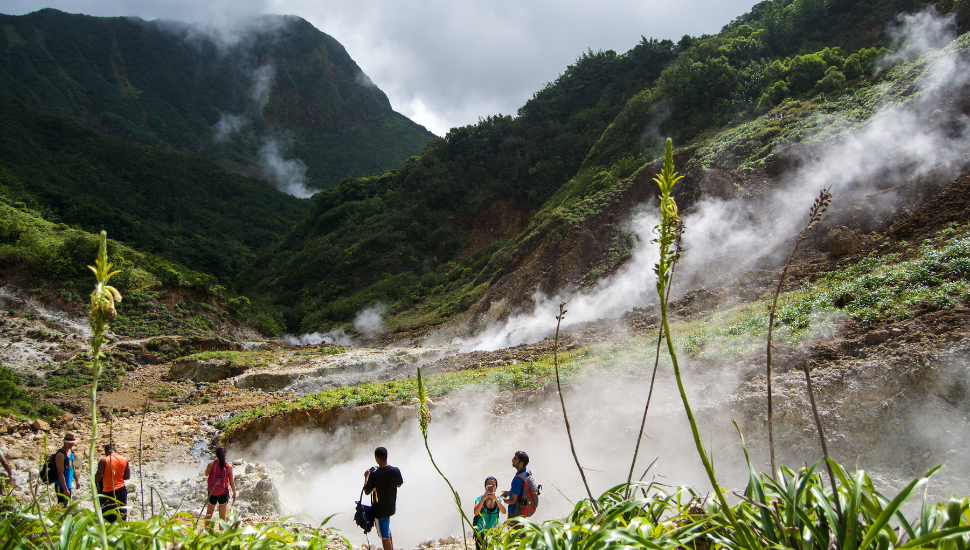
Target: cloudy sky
<point>446,63</point>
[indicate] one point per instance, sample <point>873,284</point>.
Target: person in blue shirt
<point>64,462</point>
<point>514,494</point>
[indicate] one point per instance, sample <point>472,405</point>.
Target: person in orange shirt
<point>113,470</point>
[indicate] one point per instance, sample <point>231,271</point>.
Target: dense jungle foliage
<point>391,236</point>
<point>395,237</point>
<point>173,85</point>
<point>176,205</point>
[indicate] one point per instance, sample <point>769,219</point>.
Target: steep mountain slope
<point>431,238</point>
<point>275,97</point>
<point>393,236</point>
<point>177,205</point>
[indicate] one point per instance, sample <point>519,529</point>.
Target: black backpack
<point>363,517</point>
<point>49,473</point>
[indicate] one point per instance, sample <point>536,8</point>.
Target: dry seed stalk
<point>572,447</point>
<point>821,437</point>
<point>815,214</point>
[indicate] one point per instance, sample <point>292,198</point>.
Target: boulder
<point>877,337</point>
<point>266,498</point>
<point>39,425</point>
<point>212,370</point>
<point>842,241</point>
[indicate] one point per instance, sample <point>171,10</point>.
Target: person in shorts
<point>64,465</point>
<point>113,471</point>
<point>488,509</point>
<point>382,483</point>
<point>220,481</point>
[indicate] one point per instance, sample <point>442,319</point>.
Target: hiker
<point>220,480</point>
<point>382,483</point>
<point>6,466</point>
<point>487,510</point>
<point>113,470</point>
<point>512,497</point>
<point>64,464</point>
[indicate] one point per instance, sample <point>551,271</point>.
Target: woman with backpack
<point>487,510</point>
<point>220,480</point>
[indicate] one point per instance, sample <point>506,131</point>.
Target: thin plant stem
<point>102,311</point>
<point>821,437</point>
<point>668,230</point>
<point>646,408</point>
<point>565,417</point>
<point>40,515</point>
<point>815,214</point>
<point>141,470</point>
<point>424,417</point>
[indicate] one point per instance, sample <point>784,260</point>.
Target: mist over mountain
<point>495,212</point>
<point>272,97</point>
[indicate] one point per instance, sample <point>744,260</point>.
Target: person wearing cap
<point>112,472</point>
<point>64,462</point>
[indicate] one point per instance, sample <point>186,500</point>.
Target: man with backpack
<point>382,483</point>
<point>63,461</point>
<point>523,497</point>
<point>113,470</point>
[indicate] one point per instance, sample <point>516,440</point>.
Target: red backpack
<point>218,482</point>
<point>529,500</point>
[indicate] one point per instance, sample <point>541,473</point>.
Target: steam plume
<point>901,141</point>
<point>289,175</point>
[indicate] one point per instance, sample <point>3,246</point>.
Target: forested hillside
<point>179,206</point>
<point>411,237</point>
<point>275,97</point>
<point>392,236</point>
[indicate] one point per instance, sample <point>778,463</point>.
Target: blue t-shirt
<point>68,471</point>
<point>518,488</point>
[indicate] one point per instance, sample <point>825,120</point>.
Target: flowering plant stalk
<point>424,416</point>
<point>669,230</point>
<point>102,311</point>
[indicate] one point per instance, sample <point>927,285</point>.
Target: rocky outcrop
<point>842,241</point>
<point>210,370</point>
<point>369,420</point>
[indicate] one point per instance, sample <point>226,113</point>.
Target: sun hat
<point>69,437</point>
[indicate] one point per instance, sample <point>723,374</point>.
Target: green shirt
<point>486,519</point>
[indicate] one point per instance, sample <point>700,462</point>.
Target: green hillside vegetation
<point>176,205</point>
<point>167,84</point>
<point>394,237</point>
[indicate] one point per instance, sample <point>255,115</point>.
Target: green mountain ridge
<point>408,237</point>
<point>172,85</point>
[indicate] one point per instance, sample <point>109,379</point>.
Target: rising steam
<point>900,142</point>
